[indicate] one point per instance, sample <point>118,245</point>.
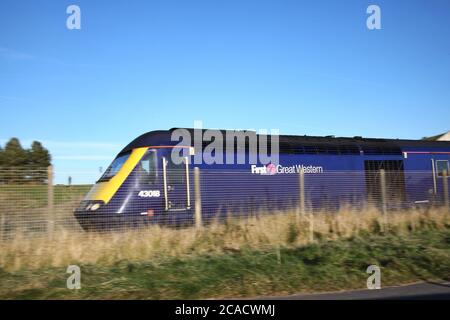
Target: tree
<point>38,160</point>
<point>1,157</point>
<point>15,158</point>
<point>2,170</point>
<point>39,157</point>
<point>22,166</point>
<point>14,155</point>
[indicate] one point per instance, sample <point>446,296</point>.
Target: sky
<point>303,67</point>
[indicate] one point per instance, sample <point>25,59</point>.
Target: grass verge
<point>245,272</point>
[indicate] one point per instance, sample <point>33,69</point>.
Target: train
<point>144,186</point>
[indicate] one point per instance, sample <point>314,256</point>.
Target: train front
<point>126,195</point>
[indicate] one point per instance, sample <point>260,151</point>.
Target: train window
<point>380,150</point>
<point>318,148</point>
<point>114,167</point>
<point>441,166</point>
<point>177,173</point>
<point>348,149</point>
<point>310,149</point>
<point>147,168</point>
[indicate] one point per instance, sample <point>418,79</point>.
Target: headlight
<point>95,206</point>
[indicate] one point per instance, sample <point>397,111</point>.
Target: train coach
<point>143,185</point>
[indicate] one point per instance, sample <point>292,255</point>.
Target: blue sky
<point>303,67</point>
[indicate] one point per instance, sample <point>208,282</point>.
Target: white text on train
<point>271,169</point>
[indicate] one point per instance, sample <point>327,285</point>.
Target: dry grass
<point>156,243</point>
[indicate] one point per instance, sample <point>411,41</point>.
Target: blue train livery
<point>143,185</point>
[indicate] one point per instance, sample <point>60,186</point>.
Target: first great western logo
<point>272,169</point>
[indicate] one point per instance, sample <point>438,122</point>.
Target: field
<point>35,196</point>
<point>246,273</point>
<point>23,208</point>
<point>266,255</point>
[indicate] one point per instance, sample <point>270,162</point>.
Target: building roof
<point>440,137</point>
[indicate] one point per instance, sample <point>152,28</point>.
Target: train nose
<point>90,215</point>
<point>90,206</point>
<point>94,215</point>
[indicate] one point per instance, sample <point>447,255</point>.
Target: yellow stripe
<point>105,190</point>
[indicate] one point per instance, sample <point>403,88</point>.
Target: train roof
<point>303,144</point>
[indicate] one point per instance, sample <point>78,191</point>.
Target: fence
<point>31,203</point>
<point>36,206</point>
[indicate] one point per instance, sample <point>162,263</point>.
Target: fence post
<point>2,226</point>
<point>445,187</point>
<point>198,198</point>
<point>50,211</point>
<point>301,211</point>
<point>301,195</point>
<point>383,197</point>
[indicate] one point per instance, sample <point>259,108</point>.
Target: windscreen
<point>115,166</point>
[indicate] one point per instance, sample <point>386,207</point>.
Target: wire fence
<point>31,204</point>
<point>36,206</point>
<point>170,213</point>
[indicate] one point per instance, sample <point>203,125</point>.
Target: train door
<point>176,184</point>
<point>148,174</point>
<point>438,167</point>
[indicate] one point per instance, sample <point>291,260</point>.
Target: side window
<point>441,166</point>
<point>148,168</point>
<point>177,173</point>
